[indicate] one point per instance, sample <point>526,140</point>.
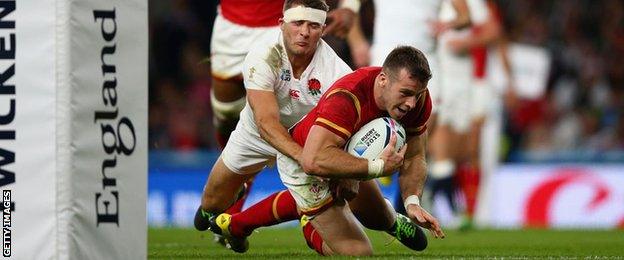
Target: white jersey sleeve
<point>258,71</point>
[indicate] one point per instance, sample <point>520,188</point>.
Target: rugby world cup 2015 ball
<point>372,138</point>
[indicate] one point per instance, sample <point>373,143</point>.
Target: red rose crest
<point>314,87</point>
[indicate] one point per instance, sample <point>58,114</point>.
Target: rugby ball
<point>370,140</point>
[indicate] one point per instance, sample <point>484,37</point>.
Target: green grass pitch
<point>288,243</point>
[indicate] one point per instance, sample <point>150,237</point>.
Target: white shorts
<point>310,192</point>
<point>246,152</point>
<point>230,44</point>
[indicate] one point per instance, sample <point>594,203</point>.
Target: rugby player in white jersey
<point>480,152</point>
<point>283,81</point>
<point>456,107</point>
<point>239,26</point>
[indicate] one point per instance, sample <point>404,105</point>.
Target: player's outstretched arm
<point>266,114</point>
<point>412,180</point>
<point>359,46</point>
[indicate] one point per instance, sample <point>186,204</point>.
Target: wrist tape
<point>412,199</point>
<point>375,167</point>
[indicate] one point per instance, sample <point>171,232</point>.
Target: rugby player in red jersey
<point>398,90</point>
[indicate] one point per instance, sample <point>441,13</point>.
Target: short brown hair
<point>409,58</point>
<point>316,4</point>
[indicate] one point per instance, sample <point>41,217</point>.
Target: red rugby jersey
<point>253,13</point>
<point>349,104</point>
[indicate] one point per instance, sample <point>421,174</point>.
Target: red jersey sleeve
<point>415,122</point>
<point>340,113</point>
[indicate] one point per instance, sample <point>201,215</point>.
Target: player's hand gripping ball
<point>372,138</point>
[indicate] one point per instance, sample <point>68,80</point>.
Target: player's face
<point>301,37</point>
<point>401,94</point>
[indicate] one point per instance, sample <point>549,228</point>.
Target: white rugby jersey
<point>268,68</point>
<point>405,22</point>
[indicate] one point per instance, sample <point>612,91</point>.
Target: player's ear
<point>383,79</point>
<point>281,22</point>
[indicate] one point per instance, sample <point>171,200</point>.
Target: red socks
<point>277,208</point>
<point>469,177</point>
<point>313,238</point>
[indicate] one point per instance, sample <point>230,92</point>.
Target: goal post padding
<point>78,174</point>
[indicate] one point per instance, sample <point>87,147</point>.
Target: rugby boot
<point>220,225</point>
<point>408,233</point>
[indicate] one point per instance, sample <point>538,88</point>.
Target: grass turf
<point>288,243</point>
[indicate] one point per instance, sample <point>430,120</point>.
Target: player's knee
<point>226,111</point>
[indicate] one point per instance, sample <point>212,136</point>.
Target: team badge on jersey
<point>315,189</point>
<point>294,94</point>
<point>285,76</point>
<point>314,87</point>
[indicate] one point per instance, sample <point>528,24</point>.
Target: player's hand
<point>437,27</point>
<point>459,46</point>
<point>421,217</point>
<point>393,160</point>
<point>339,22</point>
<point>360,53</point>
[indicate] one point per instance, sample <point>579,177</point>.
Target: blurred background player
<point>238,26</point>
<point>284,79</point>
<point>413,23</point>
<point>482,99</point>
<point>454,112</point>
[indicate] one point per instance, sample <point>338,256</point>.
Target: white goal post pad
<point>73,128</point>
